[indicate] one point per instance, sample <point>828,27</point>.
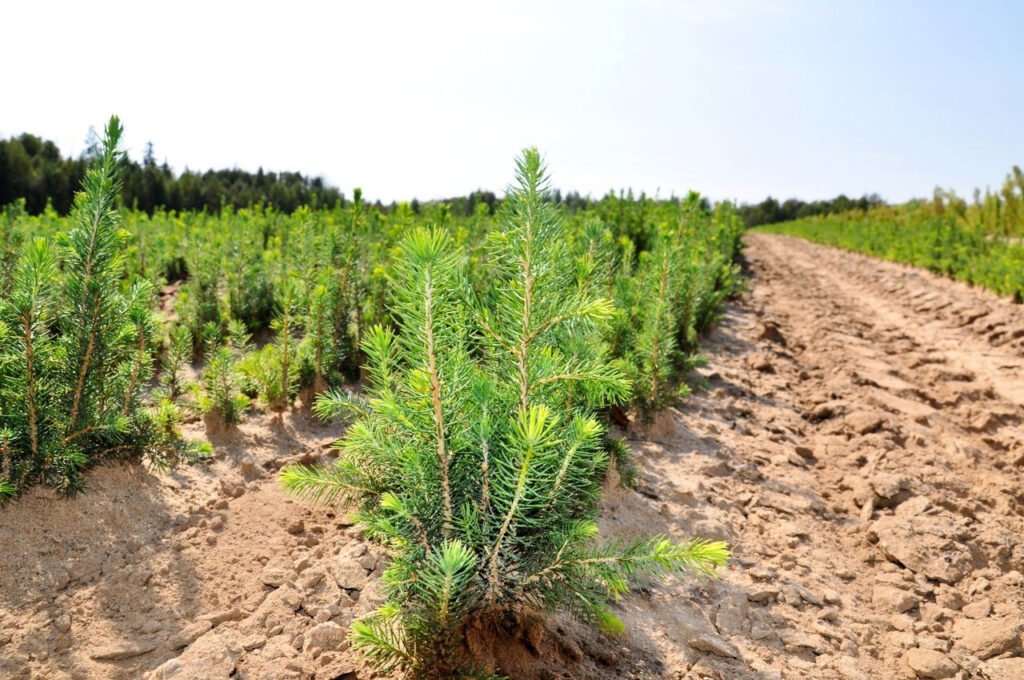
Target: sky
<point>737,99</point>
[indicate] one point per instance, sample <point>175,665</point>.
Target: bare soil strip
<point>860,443</point>
<point>862,447</point>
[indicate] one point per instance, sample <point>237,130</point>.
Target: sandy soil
<point>859,443</point>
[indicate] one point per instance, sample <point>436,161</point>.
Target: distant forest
<point>34,169</point>
<point>770,211</point>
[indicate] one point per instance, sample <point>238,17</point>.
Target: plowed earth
<point>859,441</point>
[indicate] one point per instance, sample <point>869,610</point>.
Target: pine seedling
<point>175,358</point>
<point>320,338</point>
<point>287,324</point>
<point>221,399</point>
<point>251,288</point>
<point>202,308</point>
<point>655,342</point>
<point>27,366</point>
<point>142,330</point>
<point>209,339</point>
<point>476,458</point>
<point>596,259</point>
<point>238,339</point>
<point>11,238</point>
<point>625,292</point>
<point>261,370</point>
<point>168,446</point>
<point>93,306</point>
<point>75,351</point>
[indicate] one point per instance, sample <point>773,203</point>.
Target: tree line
<point>34,169</point>
<point>771,211</point>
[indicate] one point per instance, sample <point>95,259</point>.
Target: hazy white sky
<point>735,98</point>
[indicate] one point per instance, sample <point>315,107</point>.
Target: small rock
<point>122,650</point>
<point>828,632</point>
<point>829,614</point>
<point>889,486</point>
<point>349,575</point>
<point>325,637</point>
<point>770,332</point>
<point>62,623</point>
<point>805,452</point>
<point>988,638</point>
<point>211,656</point>
<point>733,614</point>
<point>337,667</point>
<point>275,577</point>
<point>985,422</point>
<point>689,492</point>
<point>845,574</point>
<point>232,488</point>
<point>1004,669</point>
<point>916,505</point>
<point>825,411</point>
<point>712,644</point>
<point>978,610</point>
<point>949,599</point>
<point>796,641</point>
<point>190,634</point>
<point>761,631</point>
<point>926,554</point>
<point>220,617</point>
<point>760,362</point>
<point>927,663</point>
<point>320,591</point>
<point>149,626</point>
<point>929,642</point>
<point>368,561</point>
<point>848,670</point>
<point>893,599</point>
<point>863,422</point>
<point>61,579</point>
<point>289,596</point>
<point>807,596</point>
<point>795,460</point>
<point>763,574</point>
<point>252,642</point>
<point>353,550</point>
<point>250,471</point>
<point>297,527</point>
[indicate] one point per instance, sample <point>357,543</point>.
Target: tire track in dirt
<point>861,446</point>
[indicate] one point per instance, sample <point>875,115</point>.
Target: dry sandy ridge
<point>860,443</point>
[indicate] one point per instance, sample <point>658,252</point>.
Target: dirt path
<point>860,444</point>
